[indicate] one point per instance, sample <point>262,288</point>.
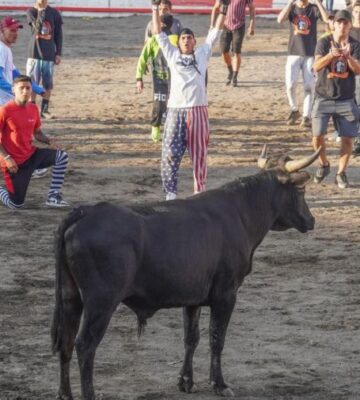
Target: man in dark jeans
<point>44,48</point>
<point>336,63</point>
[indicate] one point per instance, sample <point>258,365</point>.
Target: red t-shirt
<point>17,127</point>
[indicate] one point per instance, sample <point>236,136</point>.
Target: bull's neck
<point>255,203</point>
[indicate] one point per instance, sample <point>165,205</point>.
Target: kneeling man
<point>19,124</point>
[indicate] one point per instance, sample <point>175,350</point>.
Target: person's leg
<point>197,138</point>
<point>173,148</point>
<point>292,70</point>
<point>58,173</point>
<point>321,113</point>
<point>238,37</point>
<point>33,70</point>
<point>309,84</point>
<point>347,117</point>
<point>225,42</point>
<point>47,72</point>
<point>159,108</point>
<point>13,193</point>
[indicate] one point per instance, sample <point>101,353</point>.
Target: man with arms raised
<point>303,17</point>
<point>336,63</point>
<point>19,124</point>
<point>187,122</point>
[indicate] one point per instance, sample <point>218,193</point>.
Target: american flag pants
<point>185,128</point>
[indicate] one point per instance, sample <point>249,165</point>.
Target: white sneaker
<point>56,201</point>
<point>170,196</point>
<point>39,173</point>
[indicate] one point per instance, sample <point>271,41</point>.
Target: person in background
<point>9,30</point>
<point>233,34</point>
<point>303,17</point>
<point>336,63</point>
<point>160,74</point>
<point>45,49</point>
<point>165,7</point>
<point>19,124</point>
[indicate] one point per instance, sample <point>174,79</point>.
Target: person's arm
<point>58,37</point>
<point>214,13</point>
<point>284,13</point>
<point>251,29</point>
<point>4,84</point>
<point>323,57</point>
<point>42,138</point>
<point>142,65</point>
<point>220,20</point>
<point>156,23</point>
<point>36,19</point>
<point>323,13</point>
<point>5,158</point>
<point>353,60</point>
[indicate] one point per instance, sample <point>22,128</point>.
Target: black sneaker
<point>47,115</point>
<point>229,78</point>
<point>293,117</point>
<point>321,173</point>
<point>356,149</point>
<point>305,122</point>
<point>55,200</point>
<point>341,180</point>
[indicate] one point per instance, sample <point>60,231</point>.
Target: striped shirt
<point>235,16</point>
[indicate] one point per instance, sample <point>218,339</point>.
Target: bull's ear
<point>300,179</point>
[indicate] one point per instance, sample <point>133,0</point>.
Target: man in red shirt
<point>233,34</point>
<point>19,124</point>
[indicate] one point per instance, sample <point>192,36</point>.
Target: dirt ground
<point>295,331</point>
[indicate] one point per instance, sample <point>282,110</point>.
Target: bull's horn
<point>297,165</point>
<point>262,160</point>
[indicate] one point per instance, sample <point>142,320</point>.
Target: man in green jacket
<point>160,74</point>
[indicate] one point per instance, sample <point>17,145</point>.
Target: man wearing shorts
<point>233,34</point>
<point>303,17</point>
<point>187,122</point>
<point>336,63</point>
<point>19,124</point>
<point>44,48</point>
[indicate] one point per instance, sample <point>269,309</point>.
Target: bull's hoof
<point>185,384</point>
<point>62,396</point>
<point>222,390</point>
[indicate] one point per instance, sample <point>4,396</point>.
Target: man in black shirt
<point>303,17</point>
<point>336,63</point>
<point>44,48</point>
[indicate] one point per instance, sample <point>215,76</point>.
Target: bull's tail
<point>61,268</point>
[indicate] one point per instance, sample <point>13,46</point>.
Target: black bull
<point>183,253</point>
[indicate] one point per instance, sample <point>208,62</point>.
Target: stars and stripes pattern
<point>185,128</point>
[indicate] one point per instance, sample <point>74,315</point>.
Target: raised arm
<point>323,13</point>
<point>284,13</point>
<point>214,13</point>
<point>156,24</point>
<point>223,6</point>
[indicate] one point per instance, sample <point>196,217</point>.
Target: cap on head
<point>342,15</point>
<point>166,21</point>
<point>331,14</point>
<point>10,22</point>
<point>187,31</point>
